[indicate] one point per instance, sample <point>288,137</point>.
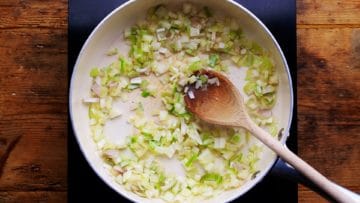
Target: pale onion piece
<point>163,115</point>
<point>221,45</point>
<point>169,183</point>
<point>219,143</point>
<point>213,36</point>
<point>160,68</point>
<point>98,80</point>
<point>164,51</point>
<point>102,102</point>
<point>107,166</point>
<point>123,82</point>
<point>252,105</point>
<point>160,30</point>
<point>268,89</point>
<point>136,81</point>
<point>186,89</point>
<point>213,81</point>
<point>155,45</point>
<point>198,84</point>
<point>127,175</point>
<point>193,44</point>
<point>236,166</point>
<point>182,82</point>
<point>194,59</point>
<point>119,169</point>
<point>165,24</point>
<point>142,70</point>
<point>172,122</point>
<point>168,151</point>
<point>265,113</point>
<point>112,153</point>
<point>152,193</point>
<point>192,79</point>
<point>255,73</point>
<point>101,143</point>
<point>148,38</point>
<point>160,34</point>
<point>260,83</point>
<point>96,89</point>
<point>205,156</point>
<point>145,48</point>
<point>184,39</point>
<point>91,100</point>
<point>113,84</point>
<point>177,22</point>
<point>243,51</point>
<point>194,31</point>
<point>114,113</point>
<point>268,120</point>
<point>183,127</point>
<point>168,197</point>
<point>92,121</point>
<point>179,108</point>
<point>194,134</point>
<point>191,94</point>
<point>178,45</point>
<point>273,80</point>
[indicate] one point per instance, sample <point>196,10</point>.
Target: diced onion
<point>91,100</point>
<point>191,94</point>
<point>136,81</point>
<point>167,52</point>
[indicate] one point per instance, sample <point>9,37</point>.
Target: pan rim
<point>247,12</point>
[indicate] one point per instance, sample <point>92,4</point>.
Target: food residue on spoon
<point>201,82</point>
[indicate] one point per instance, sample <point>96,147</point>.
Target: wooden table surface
<point>34,90</point>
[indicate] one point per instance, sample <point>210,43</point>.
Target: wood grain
<point>328,12</point>
<point>33,100</point>
<point>32,197</point>
<point>329,91</point>
<point>33,95</point>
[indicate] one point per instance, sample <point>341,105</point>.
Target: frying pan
<point>106,36</point>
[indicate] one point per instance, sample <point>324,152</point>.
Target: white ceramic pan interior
<point>109,33</point>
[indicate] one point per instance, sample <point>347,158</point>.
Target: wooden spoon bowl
<point>223,105</point>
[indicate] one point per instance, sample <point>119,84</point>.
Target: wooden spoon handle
<point>332,189</point>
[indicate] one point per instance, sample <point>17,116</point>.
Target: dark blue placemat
<point>84,185</point>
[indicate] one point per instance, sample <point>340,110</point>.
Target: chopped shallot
<point>91,100</point>
<point>191,94</point>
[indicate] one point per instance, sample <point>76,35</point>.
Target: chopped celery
<point>195,66</point>
<point>191,160</point>
<point>145,93</point>
<point>112,52</point>
<point>213,60</point>
<point>212,177</point>
<point>171,45</point>
<point>94,72</point>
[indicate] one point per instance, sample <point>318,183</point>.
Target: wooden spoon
<point>222,104</point>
